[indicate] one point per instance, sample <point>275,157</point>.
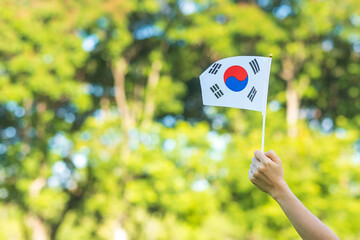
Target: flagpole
<point>263,133</point>
<point>264,116</point>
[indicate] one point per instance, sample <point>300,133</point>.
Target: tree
<point>317,43</point>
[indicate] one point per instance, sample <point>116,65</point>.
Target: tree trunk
<point>38,228</point>
<point>119,71</point>
<point>292,96</point>
<point>36,186</point>
<point>149,107</point>
<point>292,109</point>
<point>119,232</point>
<point>36,224</point>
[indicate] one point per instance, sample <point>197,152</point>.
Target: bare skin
<point>266,173</point>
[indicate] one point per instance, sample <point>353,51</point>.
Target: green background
<point>103,134</point>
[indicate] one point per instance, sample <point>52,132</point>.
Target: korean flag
<point>238,82</point>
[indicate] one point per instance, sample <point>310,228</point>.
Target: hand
<point>267,174</point>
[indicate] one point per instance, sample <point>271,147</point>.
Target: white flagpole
<point>264,112</point>
<point>263,133</point>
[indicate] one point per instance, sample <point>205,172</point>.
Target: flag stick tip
<point>270,55</point>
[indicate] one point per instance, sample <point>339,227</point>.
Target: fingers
<point>255,169</point>
<point>261,156</point>
<point>252,170</point>
<point>273,156</point>
<point>255,162</point>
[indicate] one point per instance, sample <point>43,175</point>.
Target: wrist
<point>281,191</point>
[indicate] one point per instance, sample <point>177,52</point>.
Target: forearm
<point>306,224</point>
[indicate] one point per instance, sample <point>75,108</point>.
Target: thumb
<point>273,156</point>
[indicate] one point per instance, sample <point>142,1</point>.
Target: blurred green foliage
<point>103,134</point>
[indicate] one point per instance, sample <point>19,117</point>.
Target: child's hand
<point>266,173</point>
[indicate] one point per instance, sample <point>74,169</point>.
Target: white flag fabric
<point>238,82</point>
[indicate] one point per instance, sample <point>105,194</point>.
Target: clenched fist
<point>266,173</point>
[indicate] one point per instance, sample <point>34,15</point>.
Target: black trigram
<point>255,66</point>
<point>214,69</point>
<point>252,94</point>
<point>217,91</point>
